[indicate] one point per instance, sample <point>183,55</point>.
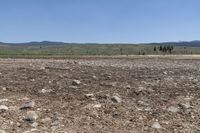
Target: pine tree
<point>154,49</point>
<point>161,48</point>
<point>164,49</point>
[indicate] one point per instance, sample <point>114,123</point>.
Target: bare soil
<point>156,95</point>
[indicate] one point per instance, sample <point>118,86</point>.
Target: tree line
<point>164,49</point>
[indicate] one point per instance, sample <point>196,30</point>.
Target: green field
<point>88,49</point>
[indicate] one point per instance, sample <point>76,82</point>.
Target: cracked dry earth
<point>134,95</point>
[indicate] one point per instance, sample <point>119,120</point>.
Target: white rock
<point>45,91</point>
<point>165,73</point>
<point>97,106</point>
<point>31,116</point>
<point>3,108</point>
<point>73,87</point>
<point>156,125</point>
<point>94,77</point>
<point>4,88</point>
<point>76,82</point>
<point>89,95</point>
<point>116,99</point>
<point>173,109</point>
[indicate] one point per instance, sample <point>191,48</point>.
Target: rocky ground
<point>126,95</point>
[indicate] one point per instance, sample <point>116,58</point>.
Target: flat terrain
<point>125,95</point>
<point>71,50</point>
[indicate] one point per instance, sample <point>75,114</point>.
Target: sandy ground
<point>129,95</point>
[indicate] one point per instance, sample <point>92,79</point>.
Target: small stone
<point>143,103</point>
<point>31,116</point>
<point>76,82</point>
<point>89,95</point>
<point>28,104</point>
<point>3,100</point>
<point>109,77</point>
<point>128,87</point>
<point>33,80</point>
<point>94,77</point>
<point>73,87</point>
<point>97,106</point>
<point>156,125</point>
<point>32,131</point>
<point>3,108</point>
<point>116,99</point>
<point>4,88</point>
<point>173,109</point>
<point>165,73</point>
<point>185,105</point>
<point>18,124</point>
<point>46,120</point>
<point>55,123</point>
<point>35,124</point>
<point>42,68</point>
<point>140,90</point>
<point>2,131</point>
<point>45,91</point>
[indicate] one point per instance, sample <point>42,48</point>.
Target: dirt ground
<point>121,95</point>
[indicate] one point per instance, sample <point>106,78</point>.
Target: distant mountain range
<point>195,43</point>
<point>182,43</point>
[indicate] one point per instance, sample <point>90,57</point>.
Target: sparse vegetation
<point>30,50</point>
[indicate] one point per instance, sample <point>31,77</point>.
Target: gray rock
<point>143,103</point>
<point>3,108</point>
<point>4,100</point>
<point>46,120</point>
<point>34,125</point>
<point>116,99</point>
<point>156,125</point>
<point>28,104</point>
<point>140,90</point>
<point>32,131</point>
<point>2,131</point>
<point>173,109</point>
<point>128,86</point>
<point>185,105</point>
<point>76,82</point>
<point>31,116</point>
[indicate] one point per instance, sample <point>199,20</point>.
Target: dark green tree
<point>164,49</point>
<point>160,48</point>
<point>154,49</point>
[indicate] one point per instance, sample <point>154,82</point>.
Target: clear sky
<point>102,21</point>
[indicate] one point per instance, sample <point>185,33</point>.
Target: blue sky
<point>102,21</point>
